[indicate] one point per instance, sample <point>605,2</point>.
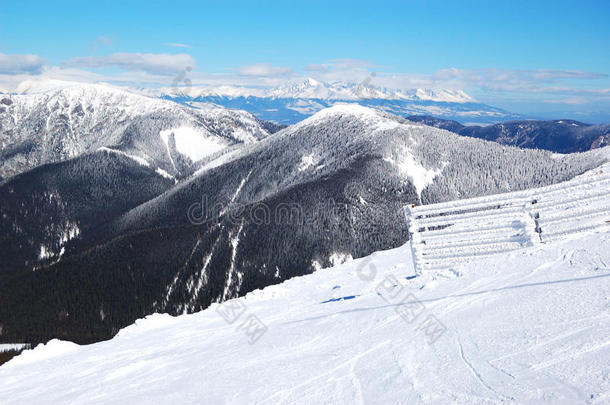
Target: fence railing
<point>446,234</point>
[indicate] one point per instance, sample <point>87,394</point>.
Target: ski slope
<point>445,234</point>
<point>529,326</point>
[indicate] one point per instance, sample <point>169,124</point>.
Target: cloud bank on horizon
<point>497,59</point>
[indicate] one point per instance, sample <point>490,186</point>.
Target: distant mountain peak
<point>443,95</point>
<point>310,88</point>
<point>311,82</point>
<point>351,109</point>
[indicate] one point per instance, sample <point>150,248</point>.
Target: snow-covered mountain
<point>327,189</point>
<point>527,327</point>
<point>311,88</point>
<point>562,136</point>
<point>315,89</point>
<point>45,208</point>
<point>55,121</point>
<point>288,104</point>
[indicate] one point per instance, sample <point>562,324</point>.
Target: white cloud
<point>513,80</point>
<point>569,100</point>
<point>178,45</point>
<point>16,64</point>
<point>146,62</point>
<point>350,63</point>
<point>316,67</point>
<point>263,69</point>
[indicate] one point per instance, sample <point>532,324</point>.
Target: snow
<point>312,89</point>
<point>35,86</point>
<point>419,175</point>
<point>443,95</point>
<point>163,173</point>
<point>234,276</point>
<point>528,326</point>
<point>193,143</point>
<point>52,349</point>
<point>379,121</point>
<point>219,161</point>
<point>69,232</point>
<point>340,258</point>
<point>7,347</point>
<point>45,253</point>
<point>68,119</point>
<point>447,233</point>
<point>306,162</point>
<point>137,159</point>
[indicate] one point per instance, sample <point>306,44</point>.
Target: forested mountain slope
<point>316,193</point>
<point>563,136</point>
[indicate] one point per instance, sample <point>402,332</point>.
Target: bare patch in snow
<point>419,175</point>
<point>193,143</point>
<point>306,162</point>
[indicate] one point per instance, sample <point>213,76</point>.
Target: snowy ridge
<point>55,121</point>
<point>445,234</point>
<point>377,119</point>
<point>311,88</point>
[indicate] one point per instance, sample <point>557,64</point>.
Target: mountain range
<point>70,119</point>
<point>148,217</point>
<point>312,88</point>
<point>562,136</point>
<point>288,104</point>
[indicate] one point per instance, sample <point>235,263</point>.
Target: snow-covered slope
<point>56,121</point>
<point>528,327</point>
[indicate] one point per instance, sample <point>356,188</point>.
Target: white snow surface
<point>419,175</point>
<point>138,159</point>
<point>526,327</point>
<point>378,120</point>
<point>194,143</point>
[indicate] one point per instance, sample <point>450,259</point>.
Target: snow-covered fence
<point>445,234</point>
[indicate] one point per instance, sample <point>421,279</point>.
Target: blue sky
<point>537,56</point>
